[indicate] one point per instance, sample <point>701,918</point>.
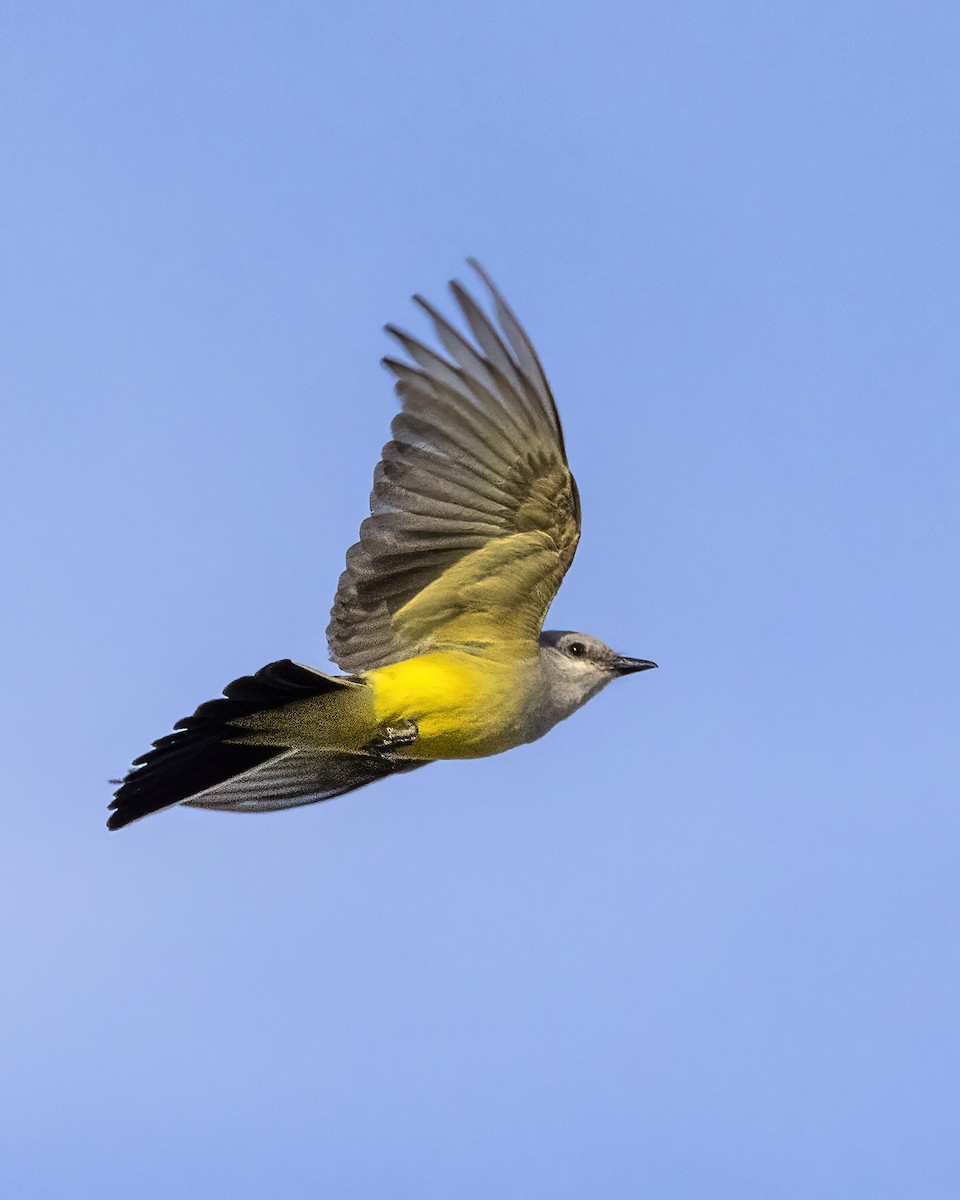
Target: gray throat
<point>561,689</point>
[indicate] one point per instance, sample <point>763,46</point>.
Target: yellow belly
<point>464,706</point>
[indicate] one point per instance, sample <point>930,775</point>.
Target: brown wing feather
<point>474,513</point>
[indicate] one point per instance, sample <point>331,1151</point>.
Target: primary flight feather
<point>474,520</point>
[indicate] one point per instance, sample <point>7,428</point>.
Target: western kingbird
<point>474,520</point>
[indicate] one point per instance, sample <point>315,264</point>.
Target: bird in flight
<point>474,520</point>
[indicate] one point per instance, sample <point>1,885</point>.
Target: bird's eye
<point>576,649</point>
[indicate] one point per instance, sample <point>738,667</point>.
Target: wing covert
<point>474,515</point>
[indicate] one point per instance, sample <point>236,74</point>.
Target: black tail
<point>210,762</point>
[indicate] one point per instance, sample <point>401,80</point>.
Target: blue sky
<point>701,941</point>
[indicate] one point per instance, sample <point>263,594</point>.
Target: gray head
<point>577,666</point>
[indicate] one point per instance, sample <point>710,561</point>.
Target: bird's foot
<point>393,737</point>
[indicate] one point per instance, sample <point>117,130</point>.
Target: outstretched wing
<point>474,513</point>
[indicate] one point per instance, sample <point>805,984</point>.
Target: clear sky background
<point>701,941</point>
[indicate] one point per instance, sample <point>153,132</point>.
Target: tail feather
<point>210,762</point>
<point>177,770</point>
<point>297,777</point>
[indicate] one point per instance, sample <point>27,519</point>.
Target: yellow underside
<point>464,705</point>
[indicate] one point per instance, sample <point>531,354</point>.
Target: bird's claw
<point>393,737</point>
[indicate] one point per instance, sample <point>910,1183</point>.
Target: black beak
<point>626,666</point>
